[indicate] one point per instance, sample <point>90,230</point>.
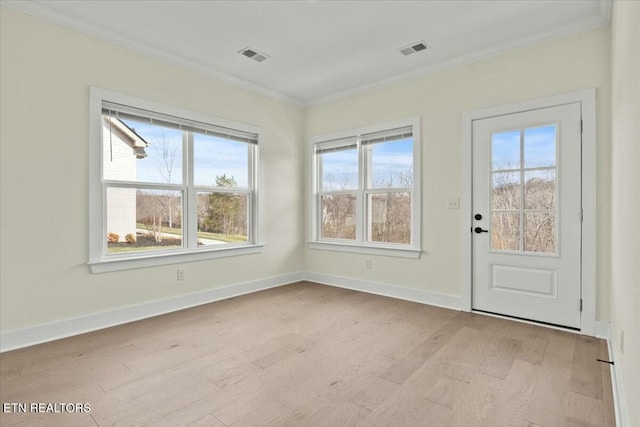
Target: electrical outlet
<point>367,264</point>
<point>453,203</point>
<point>622,342</point>
<point>180,274</point>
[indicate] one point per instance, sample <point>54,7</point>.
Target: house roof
<point>134,140</point>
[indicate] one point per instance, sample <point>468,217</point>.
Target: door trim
<point>587,100</point>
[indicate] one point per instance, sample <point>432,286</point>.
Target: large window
<point>365,190</point>
<point>173,186</point>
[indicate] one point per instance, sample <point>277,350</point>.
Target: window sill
<point>105,265</point>
<point>366,249</point>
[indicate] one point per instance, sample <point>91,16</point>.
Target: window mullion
<point>361,220</point>
<point>190,220</point>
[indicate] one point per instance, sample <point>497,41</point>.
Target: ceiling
<point>320,50</point>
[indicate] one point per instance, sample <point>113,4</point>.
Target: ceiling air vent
<point>413,48</point>
<point>253,54</point>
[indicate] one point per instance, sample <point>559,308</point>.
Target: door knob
<point>480,230</point>
<point>478,217</point>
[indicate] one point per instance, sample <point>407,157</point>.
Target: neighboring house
<point>121,148</point>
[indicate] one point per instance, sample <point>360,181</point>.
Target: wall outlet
<point>367,264</point>
<point>622,342</point>
<point>180,274</point>
<point>453,203</point>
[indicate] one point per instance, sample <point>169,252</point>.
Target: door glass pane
<point>540,190</point>
<point>219,162</point>
<point>506,191</point>
<point>391,164</point>
<point>143,220</point>
<point>389,217</point>
<point>222,218</point>
<point>505,150</point>
<point>141,152</point>
<point>540,147</point>
<point>338,216</point>
<point>339,169</point>
<point>540,232</point>
<point>505,231</point>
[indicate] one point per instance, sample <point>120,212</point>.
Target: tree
<point>167,154</point>
<point>224,213</point>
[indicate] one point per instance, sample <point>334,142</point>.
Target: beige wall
<point>45,73</point>
<point>563,65</point>
<point>625,199</point>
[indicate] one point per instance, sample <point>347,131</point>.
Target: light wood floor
<point>313,355</point>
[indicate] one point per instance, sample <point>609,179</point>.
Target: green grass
<point>117,250</point>
<point>227,238</point>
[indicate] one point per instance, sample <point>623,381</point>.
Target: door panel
<point>526,191</point>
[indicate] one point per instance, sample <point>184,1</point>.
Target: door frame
<point>587,100</point>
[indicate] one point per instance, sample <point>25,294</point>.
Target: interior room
<point>354,213</point>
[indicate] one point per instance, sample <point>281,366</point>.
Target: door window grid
<point>524,198</point>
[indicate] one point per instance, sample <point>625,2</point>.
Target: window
<point>168,185</point>
<point>366,194</point>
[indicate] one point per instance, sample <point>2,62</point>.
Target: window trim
<point>360,244</point>
<point>100,262</point>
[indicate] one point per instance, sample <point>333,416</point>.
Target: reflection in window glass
<point>338,213</point>
<point>506,191</point>
<point>540,190</point>
<point>505,231</point>
<point>389,217</point>
<point>505,150</point>
<point>215,157</point>
<point>539,232</point>
<point>222,218</point>
<point>339,169</point>
<point>540,147</point>
<point>143,220</point>
<point>391,164</point>
<point>141,152</point>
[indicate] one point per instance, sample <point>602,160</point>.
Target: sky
<point>340,168</point>
<point>213,156</point>
<point>539,148</point>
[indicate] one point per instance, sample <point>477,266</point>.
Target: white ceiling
<point>320,50</point>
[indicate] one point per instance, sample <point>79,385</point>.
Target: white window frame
<point>99,260</point>
<point>360,244</point>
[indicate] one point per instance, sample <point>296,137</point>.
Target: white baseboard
<point>38,334</point>
<point>616,379</point>
<point>408,294</point>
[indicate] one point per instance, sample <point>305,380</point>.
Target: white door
<point>527,215</point>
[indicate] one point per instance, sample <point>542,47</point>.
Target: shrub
<point>112,237</point>
<point>130,238</point>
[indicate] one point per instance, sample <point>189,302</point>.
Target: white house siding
<point>119,160</point>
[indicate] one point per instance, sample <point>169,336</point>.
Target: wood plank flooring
<point>313,355</point>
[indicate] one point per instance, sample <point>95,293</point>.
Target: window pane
<point>391,164</point>
<point>141,152</point>
<point>222,218</point>
<point>389,217</point>
<point>505,231</point>
<point>540,190</point>
<point>338,216</point>
<point>339,170</point>
<point>505,150</point>
<point>540,147</point>
<point>220,162</point>
<point>506,191</point>
<point>143,220</point>
<point>540,232</point>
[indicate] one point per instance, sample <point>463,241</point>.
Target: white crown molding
<point>39,10</point>
<point>559,32</point>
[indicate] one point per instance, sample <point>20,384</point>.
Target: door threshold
<point>528,321</point>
